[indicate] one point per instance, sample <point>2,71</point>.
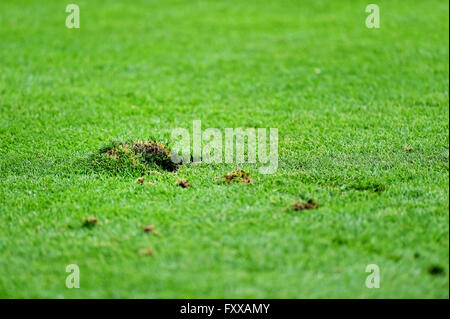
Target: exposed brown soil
<point>238,175</point>
<point>183,183</point>
<point>310,204</point>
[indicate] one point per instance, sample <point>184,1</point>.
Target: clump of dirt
<point>309,204</point>
<point>407,148</point>
<point>136,156</point>
<point>146,252</point>
<point>141,180</point>
<point>151,229</point>
<point>183,183</point>
<point>91,222</point>
<point>238,175</point>
<point>148,229</point>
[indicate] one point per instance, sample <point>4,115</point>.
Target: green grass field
<point>362,116</point>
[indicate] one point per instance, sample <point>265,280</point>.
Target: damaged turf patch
<point>136,157</point>
<point>310,204</point>
<point>238,175</point>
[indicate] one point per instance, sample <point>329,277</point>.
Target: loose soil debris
<point>183,183</point>
<point>148,229</point>
<point>140,180</point>
<point>146,252</point>
<point>407,148</point>
<point>238,175</point>
<point>91,222</point>
<point>310,204</point>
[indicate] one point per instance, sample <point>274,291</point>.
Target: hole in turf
<point>435,270</point>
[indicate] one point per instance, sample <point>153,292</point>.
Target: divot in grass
<point>135,157</point>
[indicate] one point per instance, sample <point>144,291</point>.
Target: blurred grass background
<point>345,99</point>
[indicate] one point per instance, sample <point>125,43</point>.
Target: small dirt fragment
<point>407,148</point>
<point>91,222</point>
<point>310,204</point>
<point>146,252</point>
<point>183,183</point>
<point>148,229</point>
<point>140,180</point>
<point>238,175</point>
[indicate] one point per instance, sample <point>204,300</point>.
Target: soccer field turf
<point>362,119</point>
